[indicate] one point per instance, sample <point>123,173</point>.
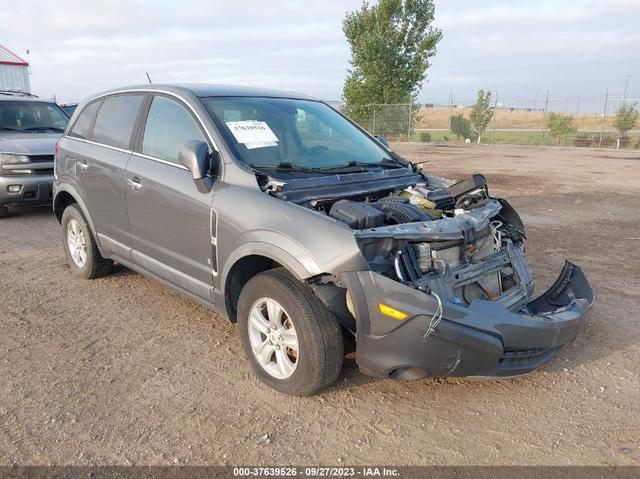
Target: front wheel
<point>292,340</point>
<point>4,211</point>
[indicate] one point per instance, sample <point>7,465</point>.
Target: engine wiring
<point>436,318</point>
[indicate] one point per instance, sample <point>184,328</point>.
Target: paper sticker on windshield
<point>253,134</point>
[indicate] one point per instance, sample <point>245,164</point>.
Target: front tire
<point>81,250</point>
<point>4,211</point>
<point>292,340</point>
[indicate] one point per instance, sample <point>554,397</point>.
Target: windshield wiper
<point>287,166</point>
<point>362,166</point>
<point>349,167</point>
<point>42,128</point>
<point>6,128</point>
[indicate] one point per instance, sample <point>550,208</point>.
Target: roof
<point>11,96</point>
<point>7,57</point>
<point>210,90</point>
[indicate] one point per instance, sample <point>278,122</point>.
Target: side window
<point>168,126</point>
<point>115,120</point>
<point>83,124</point>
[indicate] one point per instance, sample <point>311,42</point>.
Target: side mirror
<point>382,140</point>
<point>195,156</point>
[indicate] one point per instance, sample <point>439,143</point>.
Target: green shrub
<point>425,136</point>
<point>460,126</point>
<point>560,126</point>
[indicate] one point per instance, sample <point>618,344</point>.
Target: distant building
<point>14,72</point>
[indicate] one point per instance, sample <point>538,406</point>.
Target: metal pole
<point>450,105</point>
<point>626,85</point>
<point>544,117</point>
<point>374,121</point>
<point>604,116</point>
<point>410,118</point>
<point>495,113</point>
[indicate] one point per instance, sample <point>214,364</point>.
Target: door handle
<point>134,184</point>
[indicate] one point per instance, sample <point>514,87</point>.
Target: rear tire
<point>305,323</point>
<point>4,211</point>
<point>81,250</point>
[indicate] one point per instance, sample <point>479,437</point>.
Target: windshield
<point>293,133</point>
<point>31,116</point>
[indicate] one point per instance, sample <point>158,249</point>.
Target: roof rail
<point>17,93</point>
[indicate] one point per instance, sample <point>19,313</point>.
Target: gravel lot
<point>121,370</point>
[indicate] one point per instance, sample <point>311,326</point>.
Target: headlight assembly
<point>9,159</point>
<point>10,164</point>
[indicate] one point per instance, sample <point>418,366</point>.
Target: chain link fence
<point>516,122</point>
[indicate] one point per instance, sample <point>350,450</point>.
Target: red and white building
<point>14,72</point>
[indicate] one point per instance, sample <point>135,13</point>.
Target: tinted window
<point>83,123</point>
<point>168,126</point>
<point>115,120</point>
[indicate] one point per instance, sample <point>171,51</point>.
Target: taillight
<point>55,149</point>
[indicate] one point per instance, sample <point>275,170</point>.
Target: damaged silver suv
<point>282,215</point>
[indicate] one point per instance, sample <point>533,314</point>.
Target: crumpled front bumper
<point>483,339</point>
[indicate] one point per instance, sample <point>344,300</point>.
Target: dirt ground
<point>121,370</point>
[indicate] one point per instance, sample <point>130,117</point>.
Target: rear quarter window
<point>82,126</point>
<point>116,118</point>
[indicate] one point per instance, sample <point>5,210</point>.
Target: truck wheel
<point>82,252</point>
<point>4,211</point>
<point>293,342</point>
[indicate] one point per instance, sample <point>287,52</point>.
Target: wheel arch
<point>251,259</point>
<point>65,196</point>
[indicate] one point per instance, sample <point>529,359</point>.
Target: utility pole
<point>544,117</point>
<point>495,113</point>
<point>604,116</point>
<point>450,105</point>
<point>626,85</point>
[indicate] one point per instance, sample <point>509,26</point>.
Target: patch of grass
<point>535,138</point>
<point>439,118</point>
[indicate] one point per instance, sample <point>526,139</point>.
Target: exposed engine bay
<point>422,234</point>
<point>450,239</point>
<point>445,259</point>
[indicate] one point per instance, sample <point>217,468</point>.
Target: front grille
<point>41,158</point>
<point>525,357</point>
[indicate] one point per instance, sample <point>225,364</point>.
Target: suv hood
<point>28,143</point>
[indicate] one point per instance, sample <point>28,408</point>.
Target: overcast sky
<point>519,48</point>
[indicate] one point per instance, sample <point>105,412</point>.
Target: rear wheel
<point>81,250</point>
<point>4,211</point>
<point>292,340</point>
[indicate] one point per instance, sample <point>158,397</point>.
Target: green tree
<point>460,126</point>
<point>560,126</point>
<point>626,118</point>
<point>481,113</point>
<point>391,43</point>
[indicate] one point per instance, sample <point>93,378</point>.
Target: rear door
<point>170,219</point>
<point>104,135</point>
